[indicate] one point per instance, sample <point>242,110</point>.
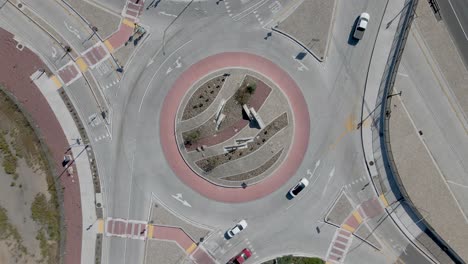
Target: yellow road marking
<point>109,46</point>
<point>384,200</point>
<point>82,64</point>
<point>357,216</point>
<point>349,228</point>
<point>191,248</point>
<point>56,81</point>
<point>100,226</point>
<point>128,23</point>
<point>150,231</point>
<point>349,123</point>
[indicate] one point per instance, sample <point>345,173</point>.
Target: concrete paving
<point>310,23</point>
<point>443,51</point>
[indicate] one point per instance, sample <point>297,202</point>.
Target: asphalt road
<point>455,15</point>
<point>333,91</point>
<point>133,168</point>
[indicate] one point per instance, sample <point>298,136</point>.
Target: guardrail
<point>380,132</point>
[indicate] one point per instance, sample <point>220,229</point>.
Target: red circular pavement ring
<point>251,62</point>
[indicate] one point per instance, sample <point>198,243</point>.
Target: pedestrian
<point>137,1</point>
<point>143,231</point>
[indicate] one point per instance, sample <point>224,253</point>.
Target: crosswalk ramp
<point>339,247</point>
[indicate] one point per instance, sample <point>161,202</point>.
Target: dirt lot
<point>29,219</point>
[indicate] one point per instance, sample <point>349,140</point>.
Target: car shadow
<point>351,40</point>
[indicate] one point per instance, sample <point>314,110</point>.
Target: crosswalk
<point>126,228</point>
<point>339,247</point>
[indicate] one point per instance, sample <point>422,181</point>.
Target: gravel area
<point>203,97</point>
<point>232,110</point>
<point>253,173</point>
<point>341,209</point>
<point>167,252</point>
<point>161,216</point>
<point>262,137</point>
<point>311,24</point>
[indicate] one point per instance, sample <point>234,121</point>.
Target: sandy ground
<point>17,201</point>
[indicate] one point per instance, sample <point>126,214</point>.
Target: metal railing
<point>381,139</point>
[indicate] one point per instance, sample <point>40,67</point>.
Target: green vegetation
<point>45,214</point>
<point>8,231</point>
<point>295,260</point>
<point>9,160</point>
<point>244,93</point>
<point>251,88</point>
<point>43,245</point>
<point>192,137</point>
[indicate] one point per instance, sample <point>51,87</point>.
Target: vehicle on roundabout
<point>361,25</point>
<point>237,228</point>
<point>241,257</point>
<point>298,187</point>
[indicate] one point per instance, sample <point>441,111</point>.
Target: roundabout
<point>185,153</point>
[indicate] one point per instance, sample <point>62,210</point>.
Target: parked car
<point>298,187</point>
<point>361,25</point>
<point>241,257</point>
<point>237,228</point>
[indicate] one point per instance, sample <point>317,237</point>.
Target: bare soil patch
<point>254,173</point>
<point>252,92</point>
<point>262,137</point>
<point>32,231</point>
<point>203,97</point>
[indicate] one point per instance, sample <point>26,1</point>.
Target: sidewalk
<point>372,138</point>
<point>49,90</point>
<point>20,65</point>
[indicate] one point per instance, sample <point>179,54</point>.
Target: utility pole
<point>164,34</point>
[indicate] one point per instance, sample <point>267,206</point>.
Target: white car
<point>298,187</point>
<point>361,26</point>
<point>237,228</point>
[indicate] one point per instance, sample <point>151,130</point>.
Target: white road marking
<point>72,30</point>
<point>402,74</point>
<point>156,72</point>
<point>178,197</point>
<point>303,67</point>
<point>313,172</point>
<point>166,14</point>
<point>459,23</point>
<point>330,176</point>
<point>54,52</point>
<point>458,184</point>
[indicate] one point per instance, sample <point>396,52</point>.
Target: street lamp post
<point>67,49</point>
<point>95,30</point>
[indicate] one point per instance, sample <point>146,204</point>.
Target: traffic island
<point>235,128</point>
